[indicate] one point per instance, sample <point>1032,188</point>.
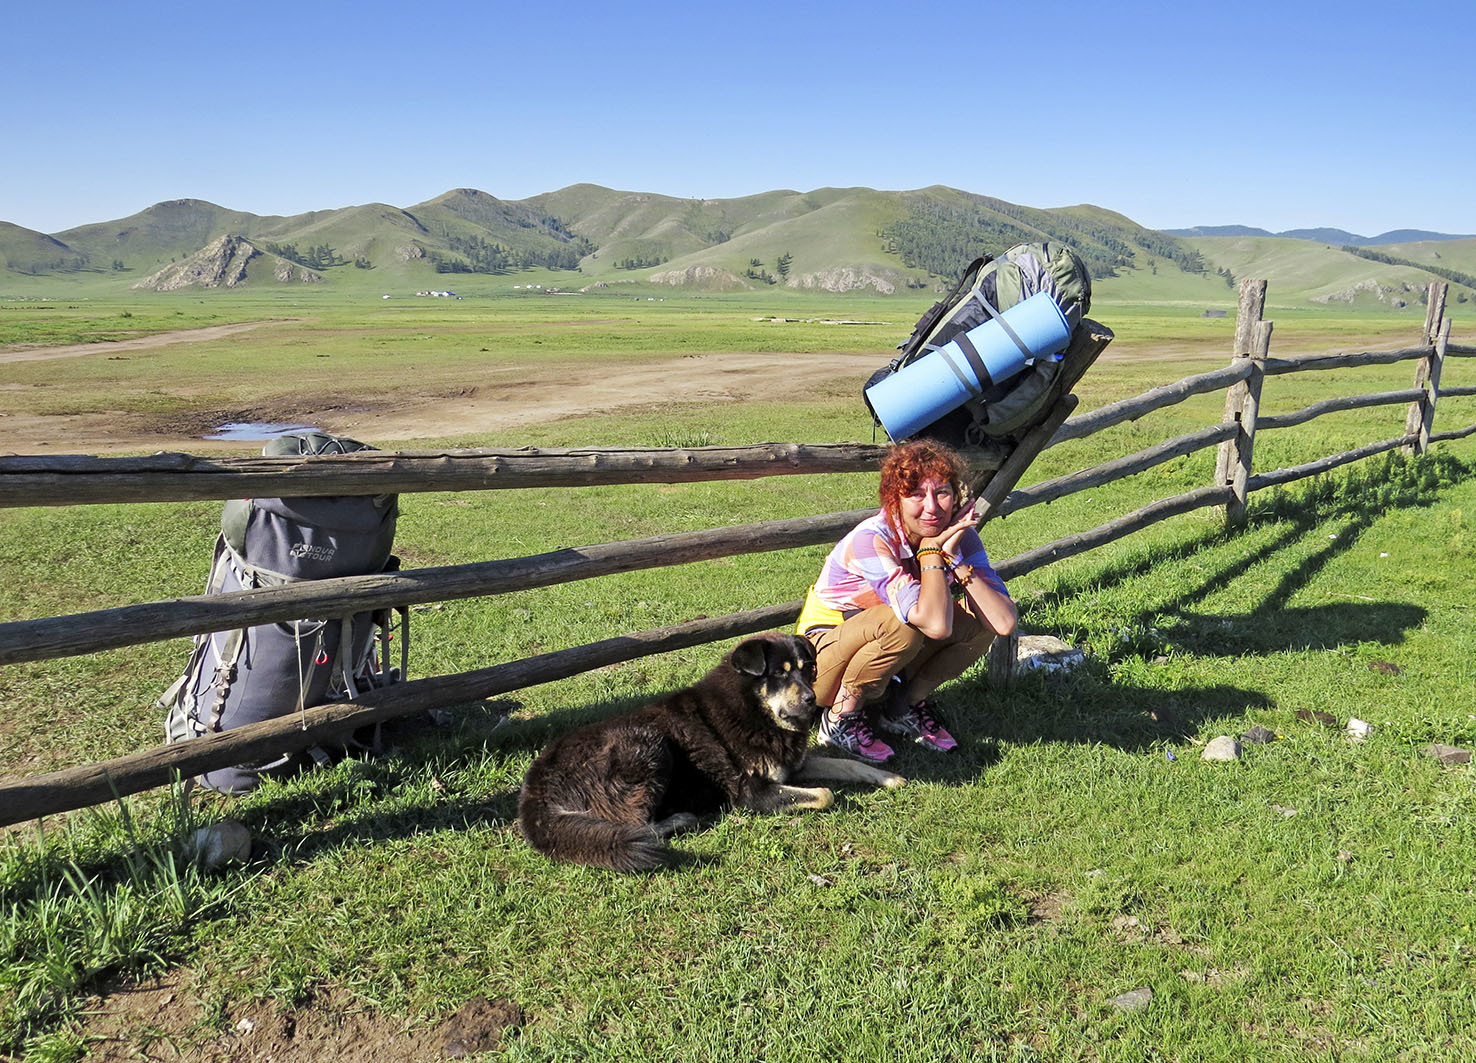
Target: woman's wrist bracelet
<point>934,568</point>
<point>929,550</point>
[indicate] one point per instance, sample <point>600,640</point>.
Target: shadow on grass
<point>1350,505</point>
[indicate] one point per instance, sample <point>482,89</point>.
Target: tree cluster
<point>476,254</point>
<point>756,272</point>
<point>1390,260</point>
<point>640,261</point>
<point>319,256</point>
<point>944,238</point>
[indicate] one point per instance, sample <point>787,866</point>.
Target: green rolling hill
<point>831,239</point>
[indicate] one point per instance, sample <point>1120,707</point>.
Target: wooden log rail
<point>60,791</point>
<point>131,625</point>
<point>166,477</point>
<point>1109,471</point>
<point>1156,399</point>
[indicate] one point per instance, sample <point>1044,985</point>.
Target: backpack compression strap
<point>997,316</point>
<point>982,378</point>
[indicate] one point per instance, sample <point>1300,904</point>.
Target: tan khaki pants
<point>866,651</point>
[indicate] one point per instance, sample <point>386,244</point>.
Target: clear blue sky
<point>1281,115</point>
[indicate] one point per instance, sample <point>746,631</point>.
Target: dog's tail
<point>576,837</point>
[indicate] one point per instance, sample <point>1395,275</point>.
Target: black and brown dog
<point>610,793</point>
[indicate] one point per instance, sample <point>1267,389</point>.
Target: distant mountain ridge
<point>590,236</point>
<point>832,239</point>
<point>1333,237</point>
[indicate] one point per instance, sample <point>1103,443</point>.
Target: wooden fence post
<point>1232,463</point>
<point>1421,416</point>
<point>1245,437</point>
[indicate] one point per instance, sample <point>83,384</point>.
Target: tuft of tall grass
<point>69,920</point>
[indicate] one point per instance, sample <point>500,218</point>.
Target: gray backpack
<point>988,286</point>
<point>250,674</point>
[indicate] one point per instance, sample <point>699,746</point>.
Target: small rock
<point>1258,736</point>
<point>1448,754</point>
<point>1327,719</point>
<point>1222,748</point>
<point>1134,1000</point>
<point>1358,729</point>
<point>1344,856</point>
<point>819,880</point>
<point>1048,653</point>
<point>1284,810</point>
<point>221,843</point>
<point>1384,668</point>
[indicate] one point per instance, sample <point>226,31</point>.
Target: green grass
<point>1312,901</point>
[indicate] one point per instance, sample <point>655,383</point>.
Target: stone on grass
<point>1448,754</point>
<point>1258,736</point>
<point>1047,653</point>
<point>1358,729</point>
<point>222,843</point>
<point>1222,748</point>
<point>1133,1000</point>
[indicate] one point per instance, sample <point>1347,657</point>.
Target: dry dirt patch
<point>164,1019</point>
<point>496,400</point>
<point>30,353</point>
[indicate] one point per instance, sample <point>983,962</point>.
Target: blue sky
<point>1279,115</point>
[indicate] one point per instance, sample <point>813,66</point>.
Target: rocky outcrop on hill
<point>1396,296</point>
<point>709,277</point>
<point>222,264</point>
<point>845,279</point>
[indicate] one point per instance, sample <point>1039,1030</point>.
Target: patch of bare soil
<point>30,353</point>
<point>496,400</point>
<point>165,1020</point>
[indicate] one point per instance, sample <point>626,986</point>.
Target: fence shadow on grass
<point>1349,504</point>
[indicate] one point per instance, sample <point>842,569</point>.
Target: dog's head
<point>780,670</point>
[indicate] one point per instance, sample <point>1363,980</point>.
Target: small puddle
<point>252,430</point>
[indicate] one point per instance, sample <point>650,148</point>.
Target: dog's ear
<point>751,657</point>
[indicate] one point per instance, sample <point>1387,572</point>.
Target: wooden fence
<point>76,480</point>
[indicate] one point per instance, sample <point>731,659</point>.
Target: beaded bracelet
<point>929,550</point>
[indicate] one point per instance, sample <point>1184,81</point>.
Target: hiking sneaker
<point>920,723</point>
<point>851,734</point>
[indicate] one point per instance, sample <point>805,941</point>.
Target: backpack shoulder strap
<point>925,324</point>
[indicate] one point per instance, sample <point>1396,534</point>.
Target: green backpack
<point>988,286</point>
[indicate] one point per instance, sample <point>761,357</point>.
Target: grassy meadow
<point>1313,900</point>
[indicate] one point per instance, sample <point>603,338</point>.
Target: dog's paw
<point>891,781</point>
<point>676,824</point>
<point>823,797</point>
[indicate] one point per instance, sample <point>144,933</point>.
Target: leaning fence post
<point>1234,452</point>
<point>1421,416</point>
<point>1245,439</point>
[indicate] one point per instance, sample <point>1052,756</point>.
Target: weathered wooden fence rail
<point>73,480</point>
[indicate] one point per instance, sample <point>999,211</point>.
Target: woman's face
<point>927,509</point>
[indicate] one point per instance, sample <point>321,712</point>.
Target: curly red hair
<point>909,464</point>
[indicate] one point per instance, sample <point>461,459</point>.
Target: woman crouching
<point>908,595</point>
